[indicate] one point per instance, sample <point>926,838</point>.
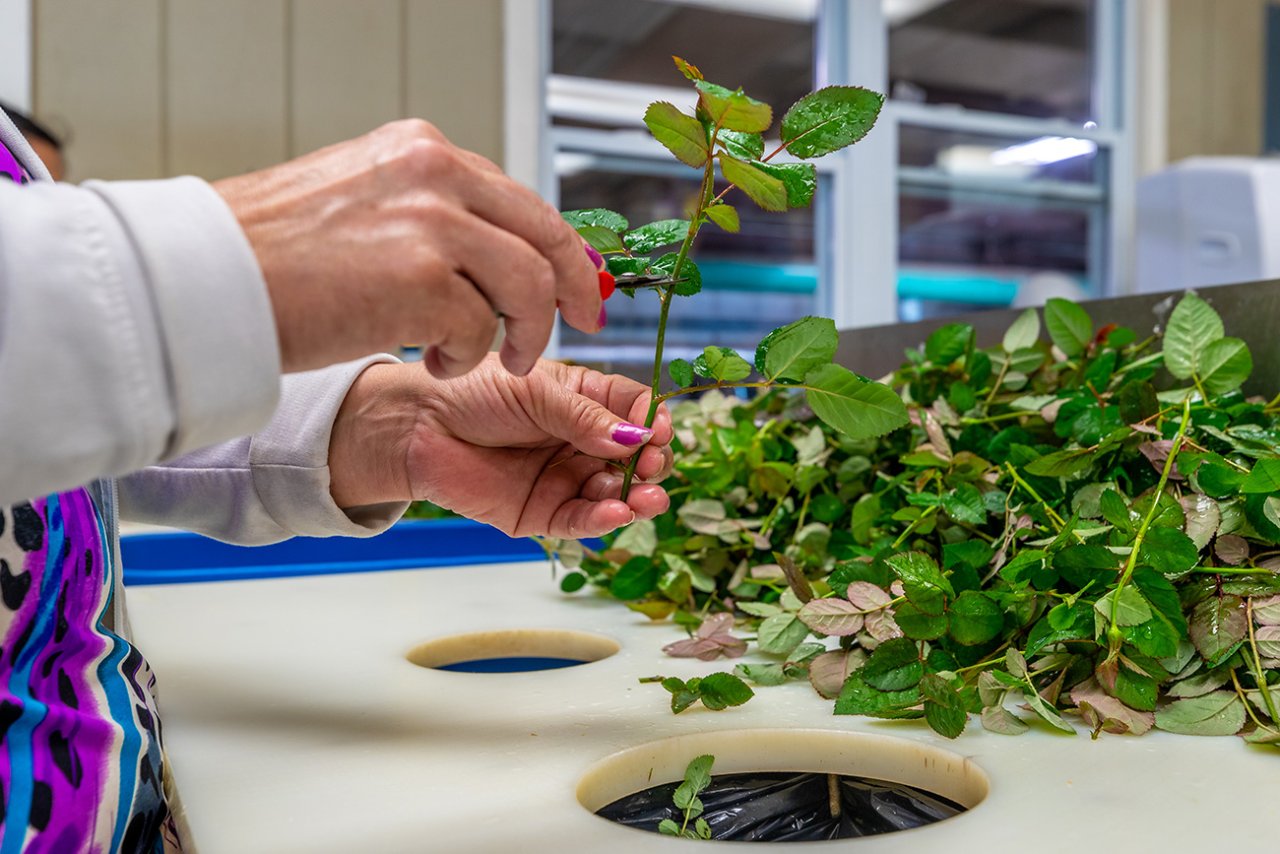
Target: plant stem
<point>991,419</point>
<point>1132,563</point>
<point>902,538</point>
<point>995,387</point>
<point>1053,514</point>
<point>1259,674</point>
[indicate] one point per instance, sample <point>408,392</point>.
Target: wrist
<point>369,442</point>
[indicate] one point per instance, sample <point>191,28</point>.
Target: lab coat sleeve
<point>266,487</point>
<point>135,326</point>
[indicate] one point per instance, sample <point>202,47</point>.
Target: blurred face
<point>51,157</point>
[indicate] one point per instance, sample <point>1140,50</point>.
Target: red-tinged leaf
<point>1156,453</point>
<point>688,69</point>
<point>1218,626</point>
<point>881,625</point>
<point>1231,549</point>
<point>867,596</point>
<point>1266,612</point>
<point>828,672</point>
<point>711,641</point>
<point>837,617</point>
<point>1100,710</point>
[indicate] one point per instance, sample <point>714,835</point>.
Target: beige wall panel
<point>97,69</point>
<point>1236,33</point>
<point>346,71</point>
<point>226,99</point>
<point>454,68</point>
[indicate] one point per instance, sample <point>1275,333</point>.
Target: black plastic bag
<point>789,807</point>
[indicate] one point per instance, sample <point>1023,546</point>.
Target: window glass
<point>964,155</point>
<point>1023,57</point>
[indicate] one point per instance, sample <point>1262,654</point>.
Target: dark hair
<point>29,127</point>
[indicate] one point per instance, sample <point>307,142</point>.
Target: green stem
<point>902,538</point>
<point>995,387</point>
<point>1258,673</point>
<point>991,419</point>
<point>1138,363</point>
<point>1113,632</point>
<point>1030,490</point>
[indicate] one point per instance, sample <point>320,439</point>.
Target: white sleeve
<point>266,487</point>
<point>134,326</point>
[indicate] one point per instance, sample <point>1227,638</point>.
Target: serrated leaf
<point>721,690</point>
<point>744,146</point>
<point>603,240</point>
<point>722,364</point>
<point>724,216</point>
<point>762,188</point>
<point>944,710</point>
<point>634,579</point>
<point>1065,463</point>
<point>1168,550</point>
<point>615,222</point>
<point>733,110</point>
<point>1047,712</point>
<point>1069,325</point>
<point>1193,326</point>
<point>974,618</point>
<point>917,569</point>
<point>649,237</point>
<point>780,634</point>
<point>832,617</point>
<point>1129,607</point>
<point>1218,626</point>
<point>792,351</point>
<point>761,674</point>
<point>681,134</point>
<point>859,408</point>
<point>964,504</point>
<point>1023,333</point>
<point>688,69</point>
<point>1217,713</point>
<point>948,343</point>
<point>667,827</point>
<point>681,372</point>
<point>894,666</point>
<point>800,180</point>
<point>1265,477</point>
<point>829,671</point>
<point>857,697</point>
<point>1000,720</point>
<point>1101,710</point>
<point>690,280</point>
<point>1224,365</point>
<point>620,265</point>
<point>829,119</point>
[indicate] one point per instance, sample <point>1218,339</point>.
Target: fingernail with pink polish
<point>631,434</point>
<point>596,257</point>
<point>603,318</point>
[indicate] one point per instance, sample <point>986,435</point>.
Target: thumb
<point>588,426</point>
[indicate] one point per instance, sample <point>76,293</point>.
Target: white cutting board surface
<point>294,723</point>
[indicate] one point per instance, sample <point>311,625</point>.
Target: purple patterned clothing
<point>81,764</point>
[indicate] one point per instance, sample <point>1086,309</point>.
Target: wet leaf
<point>1217,713</point>
<point>722,364</point>
<point>1218,627</point>
<point>944,710</point>
<point>1231,549</point>
<point>762,188</point>
<point>721,690</point>
<point>664,232</point>
<point>681,372</point>
<point>894,666</point>
<point>799,179</point>
<point>744,146</point>
<point>681,134</point>
<point>791,352</point>
<point>733,110</point>
<point>857,697</point>
<point>614,222</point>
<point>975,618</point>
<point>829,119</point>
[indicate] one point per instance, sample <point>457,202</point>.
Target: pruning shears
<point>643,280</point>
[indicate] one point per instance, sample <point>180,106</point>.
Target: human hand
<point>528,455</point>
<point>400,236</point>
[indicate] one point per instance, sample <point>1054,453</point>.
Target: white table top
<point>294,723</point>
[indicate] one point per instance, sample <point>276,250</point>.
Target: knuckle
<point>429,158</point>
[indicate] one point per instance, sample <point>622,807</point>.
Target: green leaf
<point>948,343</point>
<point>635,578</point>
<point>829,119</point>
<point>724,216</point>
<point>621,264</point>
<point>1047,712</point>
<point>667,827</point>
<point>1193,326</point>
<point>859,408</point>
<point>1265,477</point>
<point>664,232</point>
<point>761,674</point>
<point>683,135</point>
<point>681,372</point>
<point>762,188</point>
<point>857,697</point>
<point>1224,365</point>
<point>944,709</point>
<point>1069,326</point>
<point>603,240</point>
<point>722,364</point>
<point>744,146</point>
<point>1061,463</point>
<point>615,222</point>
<point>1000,720</point>
<point>800,179</point>
<point>697,776</point>
<point>975,618</point>
<point>917,569</point>
<point>792,351</point>
<point>780,634</point>
<point>894,666</point>
<point>573,582</point>
<point>733,110</point>
<point>690,281</point>
<point>1168,550</point>
<point>1218,627</point>
<point>1219,481</point>
<point>1023,333</point>
<point>1217,713</point>
<point>721,690</point>
<point>964,504</point>
<point>918,625</point>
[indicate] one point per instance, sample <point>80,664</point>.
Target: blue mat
<point>179,557</point>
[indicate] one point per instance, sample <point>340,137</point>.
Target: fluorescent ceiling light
<point>1042,151</point>
<point>786,10</point>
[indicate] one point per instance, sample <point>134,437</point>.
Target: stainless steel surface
<point>1250,311</point>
